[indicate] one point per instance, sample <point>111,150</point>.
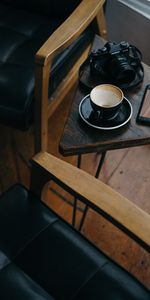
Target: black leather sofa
<point>42,257</point>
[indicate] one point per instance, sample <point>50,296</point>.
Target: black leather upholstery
<point>22,33</point>
<point>42,257</point>
<point>16,285</point>
<point>50,8</point>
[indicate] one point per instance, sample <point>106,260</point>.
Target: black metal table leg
<point>100,164</point>
<point>96,176</point>
<point>75,199</point>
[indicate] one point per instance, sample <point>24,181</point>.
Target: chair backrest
<point>51,8</point>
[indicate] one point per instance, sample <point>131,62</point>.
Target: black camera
<point>117,63</point>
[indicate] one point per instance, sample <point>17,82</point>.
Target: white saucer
<point>88,115</point>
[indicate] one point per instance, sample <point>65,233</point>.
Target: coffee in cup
<point>106,99</point>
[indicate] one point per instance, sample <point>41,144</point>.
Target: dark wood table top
<point>80,138</point>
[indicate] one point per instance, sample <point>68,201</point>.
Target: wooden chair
<point>62,38</point>
<point>42,257</point>
<point>20,51</point>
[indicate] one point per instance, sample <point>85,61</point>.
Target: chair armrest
<point>102,198</point>
<point>69,30</point>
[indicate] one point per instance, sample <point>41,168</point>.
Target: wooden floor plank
<point>132,177</point>
<point>112,162</point>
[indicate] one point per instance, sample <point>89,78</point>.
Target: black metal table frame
<point>102,158</point>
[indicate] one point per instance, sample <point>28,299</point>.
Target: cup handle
<point>99,114</point>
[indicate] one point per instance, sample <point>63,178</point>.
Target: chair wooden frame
<point>110,204</point>
<point>82,16</point>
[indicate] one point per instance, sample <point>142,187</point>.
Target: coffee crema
<point>105,98</point>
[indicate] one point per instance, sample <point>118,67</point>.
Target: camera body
<point>116,63</point>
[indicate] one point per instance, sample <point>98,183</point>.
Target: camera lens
<point>125,76</point>
<point>121,71</point>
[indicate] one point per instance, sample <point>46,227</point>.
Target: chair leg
<point>41,107</point>
<point>75,199</point>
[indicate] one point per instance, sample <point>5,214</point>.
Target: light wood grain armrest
<point>69,30</point>
<point>113,206</point>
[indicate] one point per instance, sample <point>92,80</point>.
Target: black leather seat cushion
<point>22,33</point>
<point>40,253</point>
<point>50,8</point>
<point>16,285</point>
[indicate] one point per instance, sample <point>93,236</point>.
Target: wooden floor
<point>127,171</point>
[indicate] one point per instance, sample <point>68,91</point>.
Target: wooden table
<point>78,138</point>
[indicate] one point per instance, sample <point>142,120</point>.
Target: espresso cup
<point>106,99</point>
